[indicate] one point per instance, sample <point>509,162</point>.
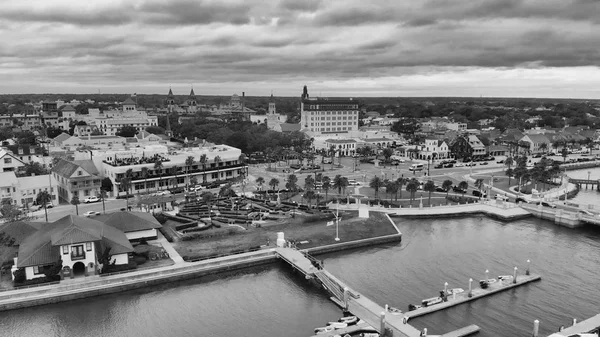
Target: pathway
<point>173,254</point>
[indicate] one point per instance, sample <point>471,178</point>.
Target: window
<point>37,270</point>
<point>65,249</point>
<point>79,173</point>
<point>88,246</point>
<point>7,160</point>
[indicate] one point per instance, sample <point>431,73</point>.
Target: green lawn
<point>317,234</point>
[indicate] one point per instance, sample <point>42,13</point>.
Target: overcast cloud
<point>536,48</point>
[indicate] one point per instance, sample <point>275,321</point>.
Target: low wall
<point>354,244</point>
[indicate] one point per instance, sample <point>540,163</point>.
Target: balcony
<point>75,256</point>
<point>209,170</point>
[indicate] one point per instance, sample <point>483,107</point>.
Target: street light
<point>337,221</point>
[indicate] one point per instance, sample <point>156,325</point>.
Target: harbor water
<point>274,301</point>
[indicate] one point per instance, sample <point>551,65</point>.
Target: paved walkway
<point>173,254</point>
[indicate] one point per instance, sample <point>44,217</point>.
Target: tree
<point>127,131</point>
<point>43,198</point>
<point>104,259</point>
<point>10,212</point>
<point>406,126</point>
<point>376,183</point>
<point>189,161</point>
<point>126,185</point>
<point>326,185</point>
<point>509,173</point>
<point>158,166</point>
<point>309,183</point>
<point>463,186</point>
<point>34,168</point>
<point>203,160</point>
<point>260,181</point>
<point>392,187</point>
<point>155,130</point>
<point>543,147</point>
<point>387,153</point>
<point>446,185</point>
<point>564,153</point>
<point>412,186</point>
<point>106,184</point>
<point>479,184</point>
<point>273,183</point>
<point>401,182</point>
<point>217,160</point>
<point>309,195</point>
<point>207,198</point>
<point>226,191</point>
<point>340,183</point>
<point>51,271</point>
<point>292,182</point>
<point>429,187</point>
<point>75,201</point>
<point>103,197</point>
<point>509,162</point>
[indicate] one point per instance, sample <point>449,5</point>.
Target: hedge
<point>186,225</point>
<point>212,256</point>
<point>40,280</point>
<point>197,229</point>
<point>205,235</point>
<point>166,232</point>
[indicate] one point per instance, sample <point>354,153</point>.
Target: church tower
<point>272,110</point>
<point>191,102</point>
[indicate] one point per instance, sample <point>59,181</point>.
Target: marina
<point>394,322</point>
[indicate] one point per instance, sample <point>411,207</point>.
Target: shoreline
<point>102,285</point>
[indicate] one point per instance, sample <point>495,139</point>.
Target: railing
<point>168,175</point>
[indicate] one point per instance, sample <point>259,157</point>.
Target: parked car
<point>501,161</point>
<point>459,165</point>
<point>91,213</point>
<point>470,164</point>
<point>448,165</point>
<point>354,183</point>
<point>458,189</point>
<point>478,193</point>
<point>298,166</point>
<point>547,204</point>
<point>484,163</point>
<point>163,192</point>
<point>438,166</point>
<point>501,197</point>
<point>91,199</point>
<point>48,205</point>
<point>439,189</point>
<point>523,200</point>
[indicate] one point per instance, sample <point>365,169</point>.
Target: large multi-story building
<point>25,122</point>
<point>22,191</point>
<point>222,163</point>
<point>77,177</point>
<point>328,116</point>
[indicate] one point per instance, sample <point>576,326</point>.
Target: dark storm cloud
<point>302,6</point>
<point>193,12</point>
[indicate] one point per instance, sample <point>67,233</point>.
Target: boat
<point>412,307</point>
<point>347,335</point>
<point>338,325</point>
<point>349,320</point>
<point>394,311</point>
<point>360,321</point>
<point>325,329</point>
<point>505,277</point>
<point>455,291</point>
<point>431,301</point>
<point>369,334</point>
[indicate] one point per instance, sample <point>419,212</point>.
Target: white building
<point>434,149</point>
<point>328,116</point>
<point>10,162</point>
<point>22,191</point>
<point>222,163</point>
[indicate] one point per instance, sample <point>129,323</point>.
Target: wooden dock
<point>363,327</point>
<point>466,331</point>
<point>296,259</point>
<point>477,293</point>
<point>590,325</point>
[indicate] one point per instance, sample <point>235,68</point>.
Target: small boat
<point>455,291</point>
<point>395,311</point>
<point>431,301</point>
<point>349,319</point>
<point>490,280</point>
<point>360,321</point>
<point>369,334</point>
<point>325,329</point>
<point>338,325</point>
<point>347,335</point>
<point>505,277</point>
<point>412,307</point>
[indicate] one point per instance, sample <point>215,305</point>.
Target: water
<point>273,301</point>
<point>591,195</point>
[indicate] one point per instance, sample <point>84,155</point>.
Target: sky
<point>470,48</point>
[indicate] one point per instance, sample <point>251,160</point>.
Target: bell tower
<point>191,101</point>
<point>272,109</point>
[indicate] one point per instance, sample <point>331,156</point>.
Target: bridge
<point>378,317</point>
<point>586,182</point>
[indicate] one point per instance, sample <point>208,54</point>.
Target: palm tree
<point>564,153</point>
<point>376,183</point>
<point>447,184</point>
<point>207,198</point>
<point>509,162</point>
<point>217,163</point>
<point>509,173</point>
<point>332,154</point>
<point>326,185</point>
<point>103,197</point>
<point>189,161</point>
<point>412,186</point>
<point>429,187</point>
<point>340,183</point>
<point>392,188</point>
<point>309,195</point>
<point>401,182</point>
<point>43,198</point>
<point>479,184</point>
<point>144,174</point>
<point>292,183</point>
<point>260,181</point>
<point>242,159</point>
<point>309,183</point>
<point>126,185</point>
<point>158,166</point>
<point>203,160</point>
<point>75,201</point>
<point>274,183</point>
<point>543,147</point>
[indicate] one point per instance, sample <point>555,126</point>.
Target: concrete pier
<point>477,293</point>
<point>590,325</point>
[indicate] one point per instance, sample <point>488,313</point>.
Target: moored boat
<point>350,320</point>
<point>505,277</point>
<point>324,329</point>
<point>338,325</point>
<point>394,311</point>
<point>455,291</point>
<point>369,334</point>
<point>431,301</point>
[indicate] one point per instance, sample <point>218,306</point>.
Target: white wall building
<point>328,116</point>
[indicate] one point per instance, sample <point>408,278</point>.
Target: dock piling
<point>528,265</point>
<point>515,275</point>
<point>470,288</point>
<point>486,274</point>
<point>424,331</point>
<point>574,321</point>
<point>445,287</point>
<point>536,328</point>
<point>382,322</point>
<point>346,298</point>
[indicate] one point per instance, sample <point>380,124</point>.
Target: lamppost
<point>337,221</point>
